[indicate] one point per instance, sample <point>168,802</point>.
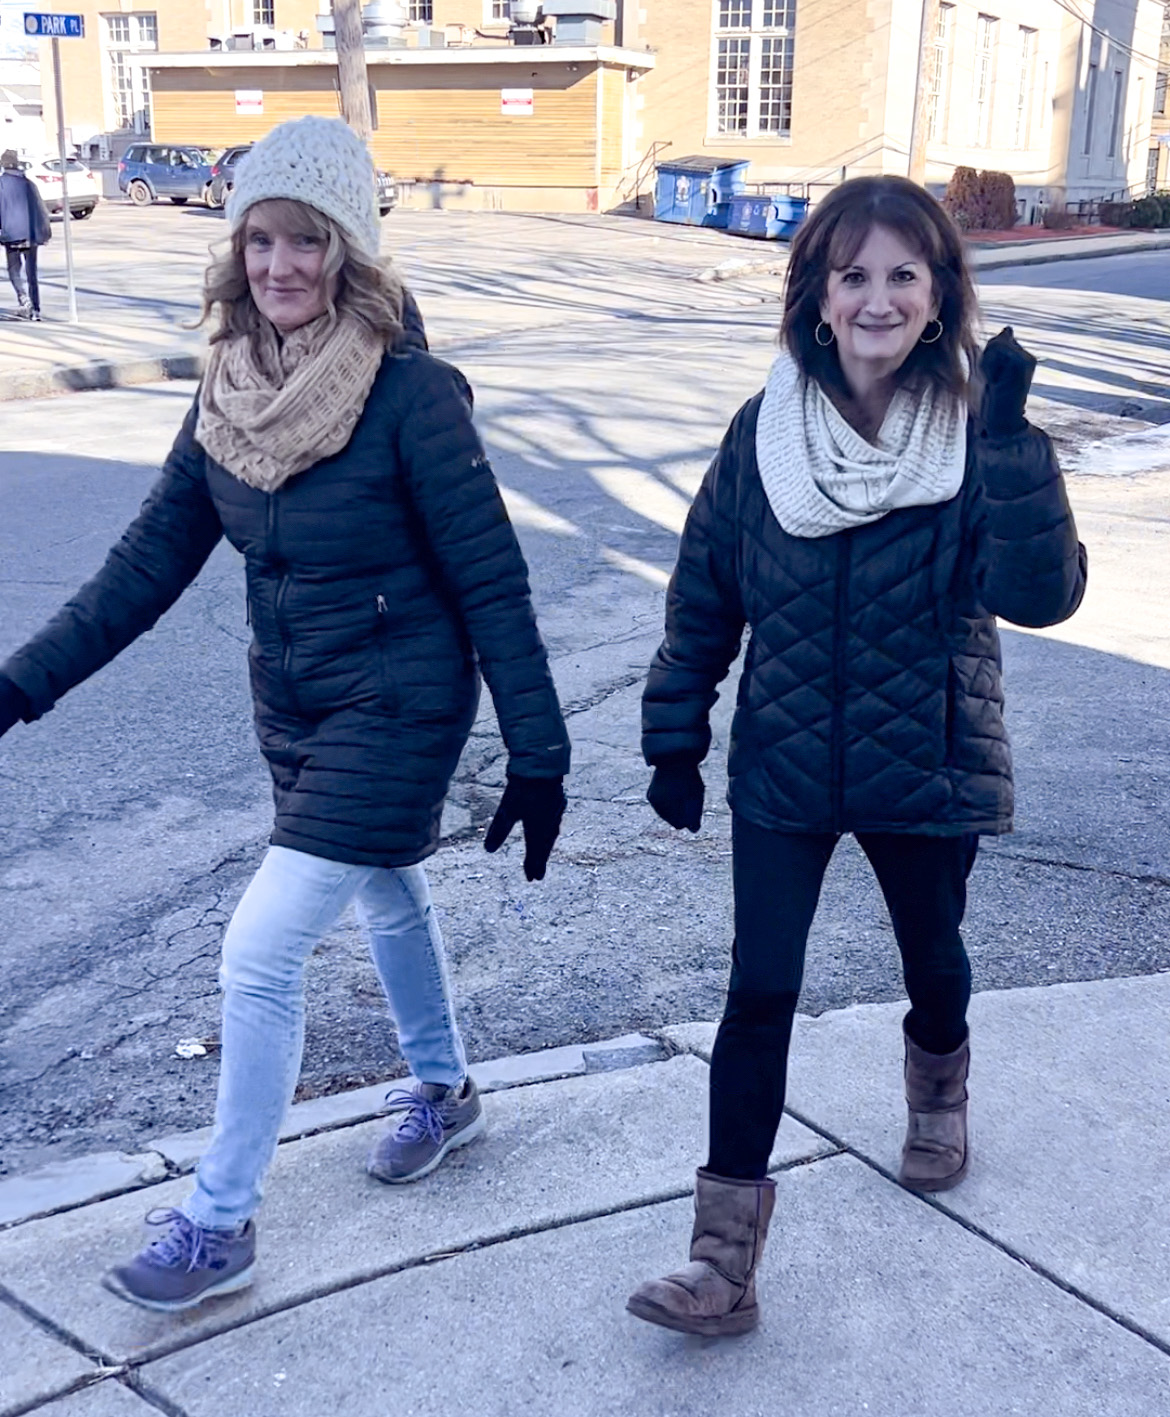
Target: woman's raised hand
<point>538,803</point>
<point>1007,370</point>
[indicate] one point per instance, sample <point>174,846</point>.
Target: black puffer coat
<point>377,579</point>
<point>870,698</point>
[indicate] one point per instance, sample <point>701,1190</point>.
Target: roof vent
<point>579,22</point>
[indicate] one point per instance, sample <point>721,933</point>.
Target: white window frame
<point>496,12</point>
<point>1091,80</point>
<point>1026,93</point>
<point>758,34</point>
<point>939,77</point>
<point>983,78</point>
<point>420,12</point>
<point>141,29</point>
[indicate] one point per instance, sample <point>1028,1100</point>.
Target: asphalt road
<point>131,817</point>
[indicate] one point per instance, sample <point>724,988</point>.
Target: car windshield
<point>71,165</point>
<point>203,155</point>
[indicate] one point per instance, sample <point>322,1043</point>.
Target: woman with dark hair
<point>867,517</point>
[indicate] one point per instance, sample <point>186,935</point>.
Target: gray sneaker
<point>433,1120</point>
<point>185,1266</point>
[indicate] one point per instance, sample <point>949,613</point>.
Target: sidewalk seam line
<point>523,1232</point>
<point>1130,1325</point>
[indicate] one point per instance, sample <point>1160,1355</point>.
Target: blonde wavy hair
<point>368,288</point>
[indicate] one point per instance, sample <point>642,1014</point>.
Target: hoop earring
<point>935,340</point>
<point>824,343</point>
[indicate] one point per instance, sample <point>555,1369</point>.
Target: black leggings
<point>30,290</point>
<point>777,878</point>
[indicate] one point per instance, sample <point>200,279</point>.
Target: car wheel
<point>140,194</point>
<point>209,197</point>
<point>80,213</point>
<point>179,201</point>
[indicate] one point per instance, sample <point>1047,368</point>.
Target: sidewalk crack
<point>973,1228</point>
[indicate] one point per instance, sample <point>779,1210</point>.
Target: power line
<point>1113,40</point>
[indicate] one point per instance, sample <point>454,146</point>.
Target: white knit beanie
<point>319,161</point>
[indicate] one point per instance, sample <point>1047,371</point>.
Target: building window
<point>938,74</point>
<point>986,28</point>
<point>264,13</point>
<point>497,11</point>
<point>129,85</point>
<point>1153,158</point>
<point>1116,112</point>
<point>420,12</point>
<point>1090,107</point>
<point>753,61</point>
<point>1027,85</point>
<point>1160,91</point>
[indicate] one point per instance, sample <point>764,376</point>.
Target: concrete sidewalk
<point>495,1287</point>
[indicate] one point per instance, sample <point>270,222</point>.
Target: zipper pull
<point>381,603</point>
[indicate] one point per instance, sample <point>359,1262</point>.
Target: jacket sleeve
<point>1029,566</point>
<point>158,556</point>
<point>414,333</point>
<point>704,613</point>
<point>40,229</point>
<point>471,542</point>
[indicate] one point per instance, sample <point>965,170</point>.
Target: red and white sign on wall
<point>249,101</point>
<point>517,102</point>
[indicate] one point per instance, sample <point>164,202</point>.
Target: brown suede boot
<point>935,1155</point>
<point>715,1294</point>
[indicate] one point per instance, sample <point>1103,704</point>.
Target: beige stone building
<point>809,91</point>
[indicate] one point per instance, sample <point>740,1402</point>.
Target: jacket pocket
<point>954,689</point>
<point>388,695</point>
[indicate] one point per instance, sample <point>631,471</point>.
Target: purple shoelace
<point>186,1243</point>
<point>422,1117</point>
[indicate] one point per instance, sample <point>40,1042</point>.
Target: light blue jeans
<point>292,900</point>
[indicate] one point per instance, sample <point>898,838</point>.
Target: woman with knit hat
<point>865,519</point>
<point>382,575</point>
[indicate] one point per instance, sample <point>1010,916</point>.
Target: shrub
<point>981,201</point>
<point>1057,219</point>
<point>1115,213</point>
<point>1147,213</point>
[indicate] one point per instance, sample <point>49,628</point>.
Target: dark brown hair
<point>830,239</point>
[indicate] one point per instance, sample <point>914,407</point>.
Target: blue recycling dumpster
<point>697,191</point>
<point>765,217</point>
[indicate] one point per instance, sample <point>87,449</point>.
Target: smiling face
<point>878,306</point>
<point>285,265</point>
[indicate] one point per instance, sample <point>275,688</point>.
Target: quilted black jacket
<point>870,698</point>
<point>377,580</point>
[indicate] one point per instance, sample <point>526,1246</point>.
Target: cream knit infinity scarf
<point>268,411</point>
<point>821,475</point>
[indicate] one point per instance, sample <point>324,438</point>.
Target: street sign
<point>54,26</point>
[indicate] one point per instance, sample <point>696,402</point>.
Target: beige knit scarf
<point>272,407</point>
<point>821,476</point>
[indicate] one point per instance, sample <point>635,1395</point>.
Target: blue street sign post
<point>57,28</point>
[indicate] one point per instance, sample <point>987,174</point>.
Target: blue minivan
<point>180,172</point>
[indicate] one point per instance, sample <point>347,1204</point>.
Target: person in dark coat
<point>866,519</point>
<point>24,226</point>
<point>383,576</point>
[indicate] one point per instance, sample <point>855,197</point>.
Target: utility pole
<point>351,67</point>
<point>916,166</point>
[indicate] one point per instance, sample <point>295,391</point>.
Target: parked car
<point>387,193</point>
<point>223,172</point>
<point>150,171</point>
<point>84,189</point>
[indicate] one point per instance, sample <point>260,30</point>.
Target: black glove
<point>14,704</point>
<point>537,802</point>
<point>1007,371</point>
<point>676,793</point>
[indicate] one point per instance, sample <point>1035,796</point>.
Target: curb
<point>99,374</point>
<point>68,1185</point>
<point>981,258</point>
<point>1001,257</point>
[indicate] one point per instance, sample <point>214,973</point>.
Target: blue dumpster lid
<point>702,164</point>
